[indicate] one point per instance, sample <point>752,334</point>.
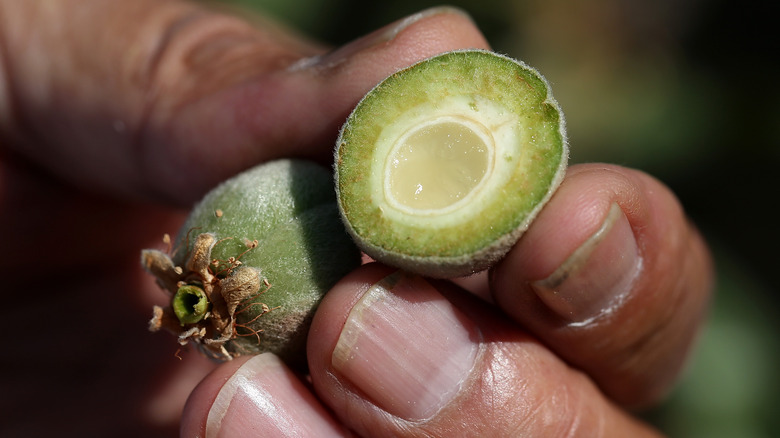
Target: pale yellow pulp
<point>436,165</point>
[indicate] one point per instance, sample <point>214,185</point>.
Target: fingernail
<point>263,398</point>
<point>380,36</point>
<point>597,276</point>
<point>406,347</point>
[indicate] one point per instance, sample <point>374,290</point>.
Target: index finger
<point>165,99</point>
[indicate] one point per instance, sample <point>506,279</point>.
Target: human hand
<point>133,102</point>
<point>114,118</point>
<point>572,342</point>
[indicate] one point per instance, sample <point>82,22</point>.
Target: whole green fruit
<point>253,260</point>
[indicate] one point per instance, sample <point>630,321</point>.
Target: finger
<point>396,355</point>
<point>613,278</point>
<point>166,99</point>
<point>256,396</point>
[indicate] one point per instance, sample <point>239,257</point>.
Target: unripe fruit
<point>442,166</point>
<point>253,260</point>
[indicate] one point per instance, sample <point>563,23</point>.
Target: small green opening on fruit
<point>437,164</point>
<point>190,304</point>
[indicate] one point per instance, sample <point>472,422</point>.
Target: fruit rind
<point>515,104</point>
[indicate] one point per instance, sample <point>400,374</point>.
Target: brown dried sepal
<point>235,284</point>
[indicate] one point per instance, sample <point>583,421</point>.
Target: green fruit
<point>442,166</point>
<point>252,262</point>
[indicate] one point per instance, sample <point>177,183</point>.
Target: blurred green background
<point>686,90</point>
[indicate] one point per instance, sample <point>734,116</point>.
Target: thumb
<point>165,99</point>
<point>396,355</point>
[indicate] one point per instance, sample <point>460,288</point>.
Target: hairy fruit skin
<point>263,247</point>
<point>479,131</point>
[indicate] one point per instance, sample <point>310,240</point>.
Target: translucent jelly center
<point>434,166</point>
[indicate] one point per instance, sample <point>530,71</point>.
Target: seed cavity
<point>438,165</point>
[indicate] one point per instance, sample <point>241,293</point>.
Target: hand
<point>116,115</point>
<point>114,118</point>
<point>594,312</point>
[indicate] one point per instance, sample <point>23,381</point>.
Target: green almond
<point>442,166</point>
<point>252,262</point>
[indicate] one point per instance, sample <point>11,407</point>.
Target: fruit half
<point>442,166</point>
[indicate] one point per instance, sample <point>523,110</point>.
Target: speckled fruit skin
<point>288,207</point>
<point>468,84</point>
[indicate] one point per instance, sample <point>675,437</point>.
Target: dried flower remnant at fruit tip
<point>229,287</point>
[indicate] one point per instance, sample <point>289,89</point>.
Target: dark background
<point>686,90</point>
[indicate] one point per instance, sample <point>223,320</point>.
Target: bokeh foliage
<point>686,90</point>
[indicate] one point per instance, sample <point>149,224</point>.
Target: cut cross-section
<point>442,166</point>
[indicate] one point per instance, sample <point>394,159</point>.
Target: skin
<point>113,120</point>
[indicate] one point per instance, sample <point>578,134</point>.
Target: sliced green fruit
<point>442,166</point>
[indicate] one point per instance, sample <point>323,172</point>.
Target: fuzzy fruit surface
<point>442,166</point>
<point>264,246</point>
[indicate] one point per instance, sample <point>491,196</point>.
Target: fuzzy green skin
<point>472,245</point>
<point>289,207</point>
